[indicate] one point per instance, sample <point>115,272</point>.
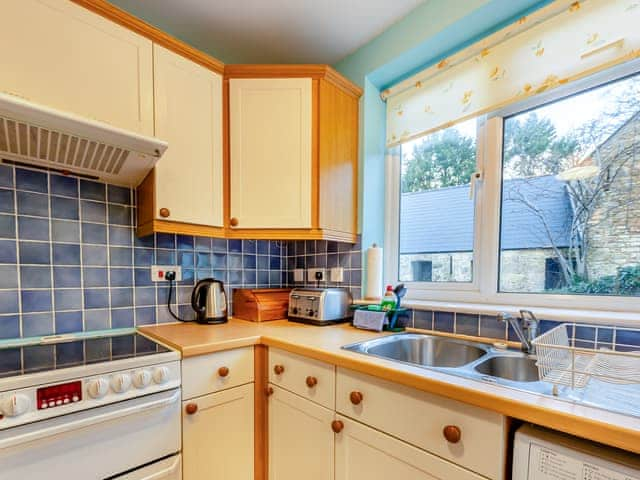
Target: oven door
<point>94,444</point>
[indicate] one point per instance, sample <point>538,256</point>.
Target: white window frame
<point>484,287</point>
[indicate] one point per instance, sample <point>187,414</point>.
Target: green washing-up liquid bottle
<point>389,299</point>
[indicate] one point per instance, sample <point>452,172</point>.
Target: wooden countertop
<point>324,343</point>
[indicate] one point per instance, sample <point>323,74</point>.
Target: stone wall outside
<point>614,229</point>
<point>523,270</point>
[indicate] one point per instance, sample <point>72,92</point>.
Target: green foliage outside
<point>626,283</point>
<point>443,159</point>
<point>448,158</point>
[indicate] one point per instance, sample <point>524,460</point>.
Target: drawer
<point>363,453</point>
<point>206,373</point>
<point>419,418</point>
<point>308,378</point>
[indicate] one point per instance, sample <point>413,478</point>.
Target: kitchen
<point>187,245</point>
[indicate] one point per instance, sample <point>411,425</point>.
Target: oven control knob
<point>120,382</point>
<point>161,375</point>
<point>15,405</point>
<point>141,378</point>
<point>98,388</point>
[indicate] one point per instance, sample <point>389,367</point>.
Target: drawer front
<point>206,373</point>
<point>308,378</point>
<point>420,419</point>
<point>363,453</point>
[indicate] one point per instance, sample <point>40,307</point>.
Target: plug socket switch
<point>316,275</point>
<point>158,272</point>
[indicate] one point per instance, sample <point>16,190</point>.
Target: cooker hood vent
<point>41,136</point>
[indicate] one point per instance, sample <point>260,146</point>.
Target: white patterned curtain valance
<point>560,43</point>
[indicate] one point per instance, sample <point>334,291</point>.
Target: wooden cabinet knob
<point>278,369</point>
<point>355,397</point>
<point>223,371</point>
<point>233,222</point>
<point>311,382</point>
<point>337,426</point>
<point>191,408</point>
<point>452,433</point>
<point>268,391</point>
<point>164,212</point>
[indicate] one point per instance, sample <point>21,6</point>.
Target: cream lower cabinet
<point>218,416</point>
<point>301,441</point>
<point>363,453</point>
<point>217,440</point>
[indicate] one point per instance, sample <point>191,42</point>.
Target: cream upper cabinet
<point>363,453</point>
<point>217,435</point>
<point>271,152</point>
<point>61,55</point>
<point>301,441</point>
<point>188,106</point>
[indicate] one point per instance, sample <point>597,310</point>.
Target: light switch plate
<point>337,274</point>
<point>298,275</point>
<point>158,272</point>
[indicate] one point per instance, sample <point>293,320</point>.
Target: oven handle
<point>162,473</point>
<point>87,422</point>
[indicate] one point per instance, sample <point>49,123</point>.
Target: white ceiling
<point>273,31</point>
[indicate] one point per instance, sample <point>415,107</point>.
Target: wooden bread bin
<point>260,304</point>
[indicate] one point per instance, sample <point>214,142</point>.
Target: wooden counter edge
<point>606,433</point>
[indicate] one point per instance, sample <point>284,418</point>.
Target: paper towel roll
<point>374,272</point>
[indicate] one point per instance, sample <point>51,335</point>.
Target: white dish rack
<point>572,354</point>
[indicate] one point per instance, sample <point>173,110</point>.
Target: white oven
<point>136,439</point>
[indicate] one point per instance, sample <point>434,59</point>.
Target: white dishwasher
<point>541,454</point>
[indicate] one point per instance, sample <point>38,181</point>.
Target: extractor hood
<point>37,135</point>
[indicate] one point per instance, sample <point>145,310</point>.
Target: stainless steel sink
<point>517,369</point>
<point>476,361</point>
<point>422,350</point>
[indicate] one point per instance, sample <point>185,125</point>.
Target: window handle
<point>475,178</point>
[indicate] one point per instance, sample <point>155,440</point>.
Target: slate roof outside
<point>437,221</point>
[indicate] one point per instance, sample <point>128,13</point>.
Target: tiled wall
<point>477,325</point>
<point>70,261</point>
<point>327,254</point>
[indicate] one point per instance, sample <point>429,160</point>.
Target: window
<point>571,191</point>
<point>436,210</point>
<point>422,270</point>
<point>555,216</point>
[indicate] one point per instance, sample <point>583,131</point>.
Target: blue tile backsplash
<point>70,260</point>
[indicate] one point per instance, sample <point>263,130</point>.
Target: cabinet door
<point>366,454</point>
<point>217,440</point>
<point>188,102</point>
<point>61,55</point>
<point>301,441</point>
<point>270,135</point>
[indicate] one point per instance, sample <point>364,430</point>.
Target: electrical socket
<point>316,275</point>
<point>158,272</point>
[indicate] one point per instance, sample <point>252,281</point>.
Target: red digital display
<point>58,395</point>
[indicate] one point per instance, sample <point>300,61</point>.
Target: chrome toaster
<point>320,306</point>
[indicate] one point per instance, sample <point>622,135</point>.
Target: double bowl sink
<point>458,357</point>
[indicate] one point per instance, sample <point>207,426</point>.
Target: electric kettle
<point>209,301</point>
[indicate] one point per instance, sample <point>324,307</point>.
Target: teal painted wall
<point>425,36</point>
